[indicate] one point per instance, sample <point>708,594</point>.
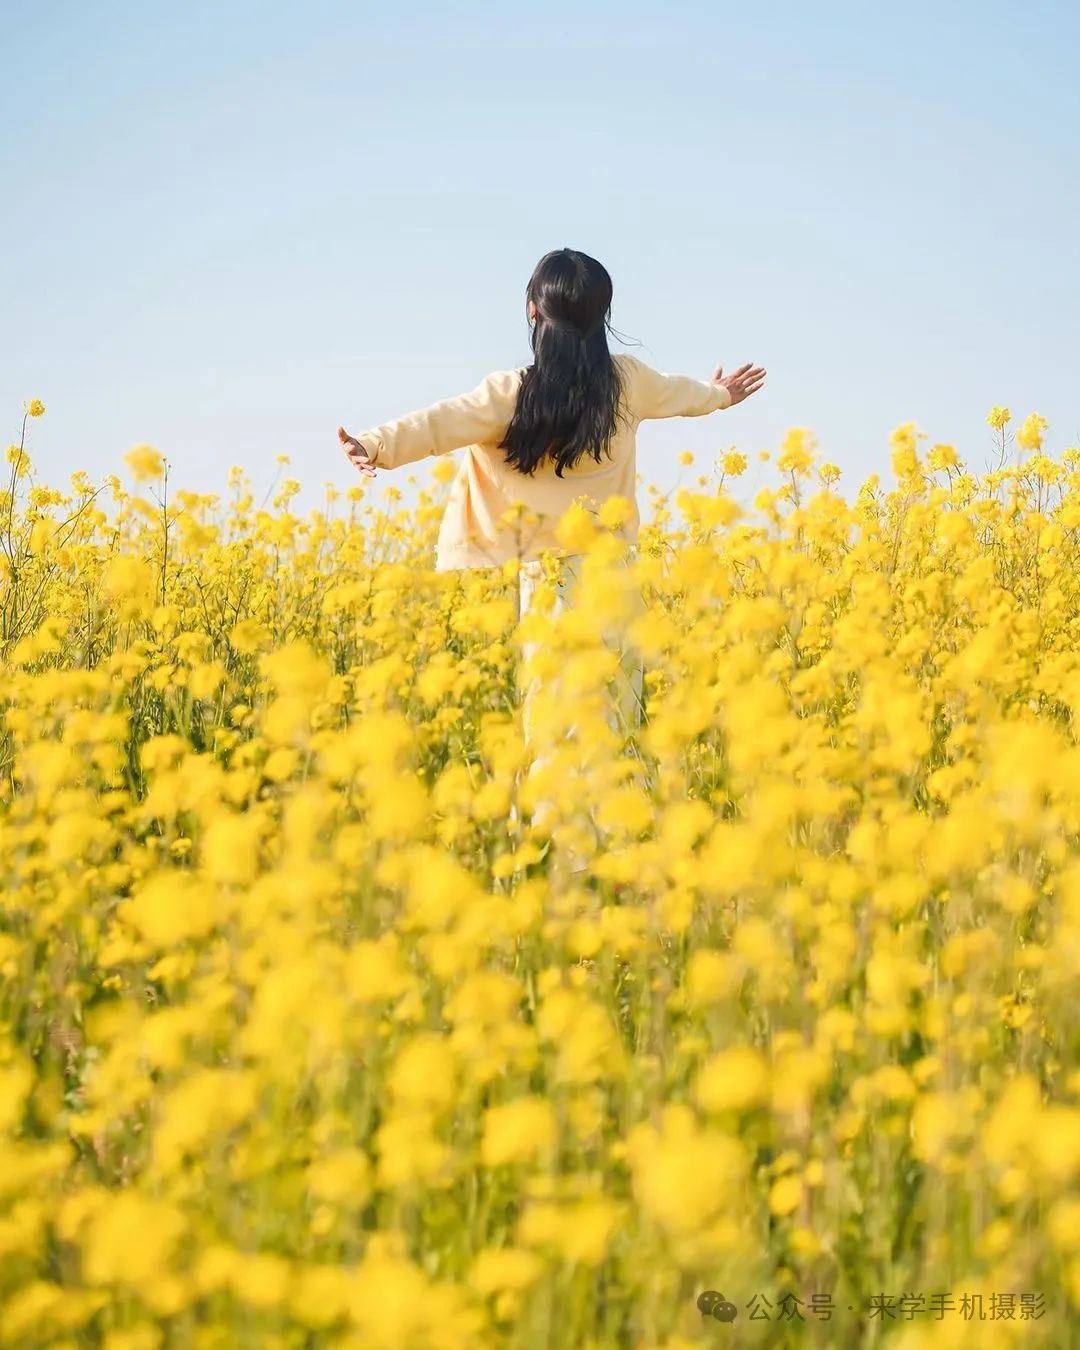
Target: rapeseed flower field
<point>304,1041</point>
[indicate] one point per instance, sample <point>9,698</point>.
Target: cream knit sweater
<point>495,512</point>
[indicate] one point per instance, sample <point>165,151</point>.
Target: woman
<point>543,436</point>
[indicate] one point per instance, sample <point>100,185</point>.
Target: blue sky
<point>228,228</point>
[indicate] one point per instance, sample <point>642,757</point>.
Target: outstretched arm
<point>660,395</point>
<point>479,416</point>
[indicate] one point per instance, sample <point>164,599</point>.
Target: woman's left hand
<point>358,456</point>
<point>747,380</point>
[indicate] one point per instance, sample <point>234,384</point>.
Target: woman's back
<point>542,436</point>
<point>495,512</point>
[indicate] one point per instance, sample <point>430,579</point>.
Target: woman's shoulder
<point>631,370</point>
<point>505,379</point>
<point>498,390</point>
<point>629,366</point>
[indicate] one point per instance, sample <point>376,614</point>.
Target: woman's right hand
<point>358,456</point>
<point>747,380</point>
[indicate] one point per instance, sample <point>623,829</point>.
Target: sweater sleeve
<point>657,395</point>
<point>478,417</point>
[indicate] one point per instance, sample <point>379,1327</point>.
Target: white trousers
<point>624,706</point>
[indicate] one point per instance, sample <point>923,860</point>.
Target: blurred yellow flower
<point>797,451</point>
<point>732,1080</point>
<point>615,512</point>
<point>130,1240</point>
<point>424,1073</point>
<point>576,529</point>
<point>343,1177</point>
<point>1030,435</point>
<point>19,459</point>
<point>499,1268</point>
<point>685,1176</point>
<point>942,457</point>
<point>905,456</point>
<point>517,1132</point>
<point>145,463</point>
<point>16,1081</point>
<point>785,1195</point>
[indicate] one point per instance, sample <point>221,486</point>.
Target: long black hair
<point>570,397</point>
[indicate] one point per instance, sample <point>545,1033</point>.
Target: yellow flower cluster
<point>304,1043</point>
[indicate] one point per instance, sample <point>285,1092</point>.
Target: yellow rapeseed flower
<point>785,1195</point>
<point>796,451</point>
<point>732,1080</point>
<point>517,1132</point>
<point>145,463</point>
<point>1030,435</point>
<point>19,459</point>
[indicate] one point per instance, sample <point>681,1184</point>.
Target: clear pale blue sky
<point>228,228</point>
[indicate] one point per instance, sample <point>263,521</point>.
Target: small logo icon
<point>713,1304</point>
